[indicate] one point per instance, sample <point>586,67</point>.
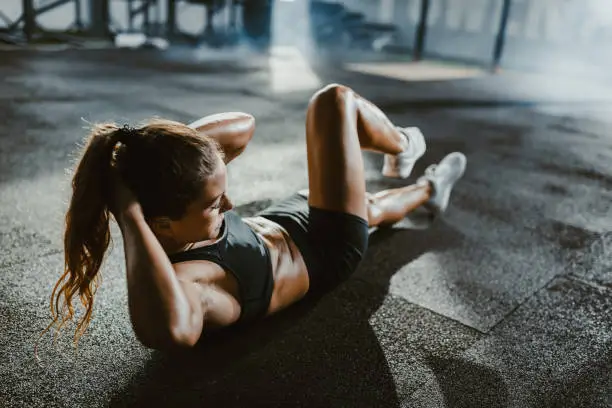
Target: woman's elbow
<point>185,338</point>
<point>173,339</point>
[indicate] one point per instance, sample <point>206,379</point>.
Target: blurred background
<point>571,35</point>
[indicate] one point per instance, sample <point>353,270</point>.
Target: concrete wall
<point>567,33</point>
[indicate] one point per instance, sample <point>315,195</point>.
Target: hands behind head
<point>122,200</point>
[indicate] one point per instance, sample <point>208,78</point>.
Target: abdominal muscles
<point>288,267</point>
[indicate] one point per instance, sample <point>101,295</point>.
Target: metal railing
<point>26,24</point>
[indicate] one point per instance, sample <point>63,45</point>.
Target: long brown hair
<point>164,163</point>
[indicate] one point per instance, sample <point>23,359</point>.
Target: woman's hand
<point>123,201</point>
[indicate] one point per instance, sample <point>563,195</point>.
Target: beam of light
<point>416,71</point>
<point>290,70</point>
<point>428,278</point>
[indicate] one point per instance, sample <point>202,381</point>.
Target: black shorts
<point>332,243</point>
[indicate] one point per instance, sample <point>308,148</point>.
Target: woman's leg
<point>433,190</point>
<point>387,207</point>
<point>339,123</point>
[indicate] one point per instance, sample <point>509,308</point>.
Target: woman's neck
<point>170,246</point>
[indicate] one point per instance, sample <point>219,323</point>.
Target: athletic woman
<point>192,263</point>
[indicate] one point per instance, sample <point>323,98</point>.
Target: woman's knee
<point>328,110</point>
<point>330,98</point>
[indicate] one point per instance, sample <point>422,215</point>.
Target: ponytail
<point>87,233</point>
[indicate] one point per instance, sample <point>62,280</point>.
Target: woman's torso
<point>289,272</point>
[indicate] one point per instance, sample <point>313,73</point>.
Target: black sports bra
<point>241,252</point>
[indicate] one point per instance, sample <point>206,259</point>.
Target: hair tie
<point>126,133</point>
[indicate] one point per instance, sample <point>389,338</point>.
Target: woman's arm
<point>166,312</point>
<point>232,130</point>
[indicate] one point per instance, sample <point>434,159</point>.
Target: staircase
<point>335,26</point>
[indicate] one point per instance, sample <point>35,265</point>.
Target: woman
<point>195,265</point>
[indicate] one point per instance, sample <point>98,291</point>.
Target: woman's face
<point>204,216</point>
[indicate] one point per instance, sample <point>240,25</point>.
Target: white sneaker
<point>443,177</point>
<point>400,165</point>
